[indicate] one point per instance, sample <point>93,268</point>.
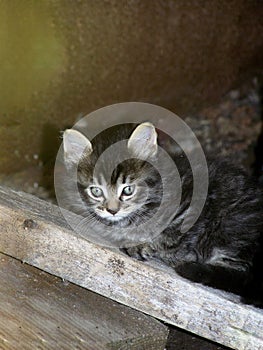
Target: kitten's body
<point>222,249</point>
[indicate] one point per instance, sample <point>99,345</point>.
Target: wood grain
<point>34,232</point>
<point>41,311</point>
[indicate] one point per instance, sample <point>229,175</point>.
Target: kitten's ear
<point>143,141</point>
<point>74,144</point>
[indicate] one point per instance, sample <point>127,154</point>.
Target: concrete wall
<point>62,59</point>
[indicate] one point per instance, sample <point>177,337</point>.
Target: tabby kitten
<point>223,249</point>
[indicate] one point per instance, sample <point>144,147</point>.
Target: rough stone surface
<point>62,59</point>
<point>231,128</point>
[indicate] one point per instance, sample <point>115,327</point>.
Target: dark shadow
<point>258,165</point>
<point>180,339</point>
<point>50,142</point>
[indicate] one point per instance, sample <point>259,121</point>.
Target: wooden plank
<point>40,311</point>
<point>33,231</point>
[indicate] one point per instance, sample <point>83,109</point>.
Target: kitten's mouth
<point>114,218</point>
<point>109,218</point>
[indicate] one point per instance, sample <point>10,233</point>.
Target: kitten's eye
<point>96,191</point>
<point>128,190</point>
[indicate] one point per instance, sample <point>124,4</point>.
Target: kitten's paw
<point>141,252</point>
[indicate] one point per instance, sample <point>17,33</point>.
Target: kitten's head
<point>126,193</point>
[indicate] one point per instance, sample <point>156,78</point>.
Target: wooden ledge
<point>40,311</point>
<point>34,231</point>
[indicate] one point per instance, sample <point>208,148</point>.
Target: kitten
<point>223,249</point>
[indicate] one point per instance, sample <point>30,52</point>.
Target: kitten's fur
<point>222,249</point>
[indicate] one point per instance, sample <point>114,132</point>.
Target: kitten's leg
<point>216,276</point>
<point>228,279</point>
<point>140,252</point>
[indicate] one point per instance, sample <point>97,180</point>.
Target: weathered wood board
<point>35,232</point>
<point>40,311</point>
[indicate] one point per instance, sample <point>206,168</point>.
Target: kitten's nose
<point>112,211</point>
